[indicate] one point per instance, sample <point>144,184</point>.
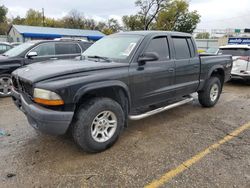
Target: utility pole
<point>43,16</point>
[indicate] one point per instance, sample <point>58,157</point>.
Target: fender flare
<point>213,68</point>
<point>103,84</point>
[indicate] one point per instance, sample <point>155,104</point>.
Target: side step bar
<point>158,110</point>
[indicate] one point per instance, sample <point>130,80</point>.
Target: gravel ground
<point>146,150</point>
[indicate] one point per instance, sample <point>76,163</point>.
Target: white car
<point>241,58</point>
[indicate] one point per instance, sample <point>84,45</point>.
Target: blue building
<point>23,33</point>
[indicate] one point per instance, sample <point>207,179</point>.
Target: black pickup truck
<point>129,75</point>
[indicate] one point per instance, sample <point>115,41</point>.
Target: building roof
<point>51,32</point>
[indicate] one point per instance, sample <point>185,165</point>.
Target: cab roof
<point>145,33</point>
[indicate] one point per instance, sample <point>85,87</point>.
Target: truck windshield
<point>18,49</point>
<point>235,51</point>
<point>118,47</point>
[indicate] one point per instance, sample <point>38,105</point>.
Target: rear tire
<point>5,85</point>
<point>97,124</point>
<point>211,92</point>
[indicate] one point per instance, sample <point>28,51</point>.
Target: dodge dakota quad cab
<point>129,75</point>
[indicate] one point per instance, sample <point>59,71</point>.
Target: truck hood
<point>50,69</point>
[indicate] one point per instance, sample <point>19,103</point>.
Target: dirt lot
<point>146,150</point>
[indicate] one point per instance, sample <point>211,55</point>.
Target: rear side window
<point>67,48</point>
<point>235,51</point>
<point>191,47</point>
<point>181,48</point>
<point>160,46</point>
<point>45,49</point>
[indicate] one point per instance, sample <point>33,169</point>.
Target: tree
<point>74,20</point>
<point>204,35</point>
<point>90,24</point>
<point>18,20</point>
<point>3,13</point>
<point>51,22</point>
<point>149,9</point>
<point>176,17</point>
<point>113,25</point>
<point>133,22</point>
<point>33,18</point>
<point>3,20</point>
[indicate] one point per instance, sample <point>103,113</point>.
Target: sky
<point>215,14</point>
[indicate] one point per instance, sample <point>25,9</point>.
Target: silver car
<point>241,58</point>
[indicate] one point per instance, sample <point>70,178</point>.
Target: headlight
<point>47,97</point>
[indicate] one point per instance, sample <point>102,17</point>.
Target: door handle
<point>54,58</point>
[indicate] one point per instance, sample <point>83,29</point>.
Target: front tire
<point>211,93</point>
<point>97,124</point>
<point>5,85</point>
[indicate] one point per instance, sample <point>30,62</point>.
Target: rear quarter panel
<point>211,63</point>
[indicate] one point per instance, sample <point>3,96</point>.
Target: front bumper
<point>43,119</point>
<point>240,76</point>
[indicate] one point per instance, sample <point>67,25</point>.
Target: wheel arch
<point>219,72</point>
<point>115,90</point>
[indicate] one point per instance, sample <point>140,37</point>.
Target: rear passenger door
<point>187,66</point>
<point>67,50</point>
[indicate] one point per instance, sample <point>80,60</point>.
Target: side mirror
<point>148,56</point>
<point>31,54</point>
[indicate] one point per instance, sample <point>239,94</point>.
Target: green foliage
<point>33,18</point>
<point>176,17</point>
<point>18,21</point>
<point>163,15</point>
<point>3,13</point>
<point>149,10</point>
<point>204,35</point>
<point>133,22</point>
<point>3,20</point>
<point>74,20</point>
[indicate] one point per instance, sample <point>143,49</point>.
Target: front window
<point>18,49</point>
<point>116,47</point>
<point>235,51</point>
<point>46,49</point>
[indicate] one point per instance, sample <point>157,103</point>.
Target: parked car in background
<point>14,44</point>
<point>212,51</point>
<point>241,59</point>
<point>36,51</point>
<point>4,46</point>
<point>126,75</point>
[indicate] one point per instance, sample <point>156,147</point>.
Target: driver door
<point>152,82</point>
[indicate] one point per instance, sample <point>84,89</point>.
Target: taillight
<point>245,58</point>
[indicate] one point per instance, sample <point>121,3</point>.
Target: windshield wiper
<point>100,57</point>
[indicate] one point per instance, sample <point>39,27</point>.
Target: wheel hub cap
<point>5,85</point>
<point>104,126</point>
<point>214,92</point>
